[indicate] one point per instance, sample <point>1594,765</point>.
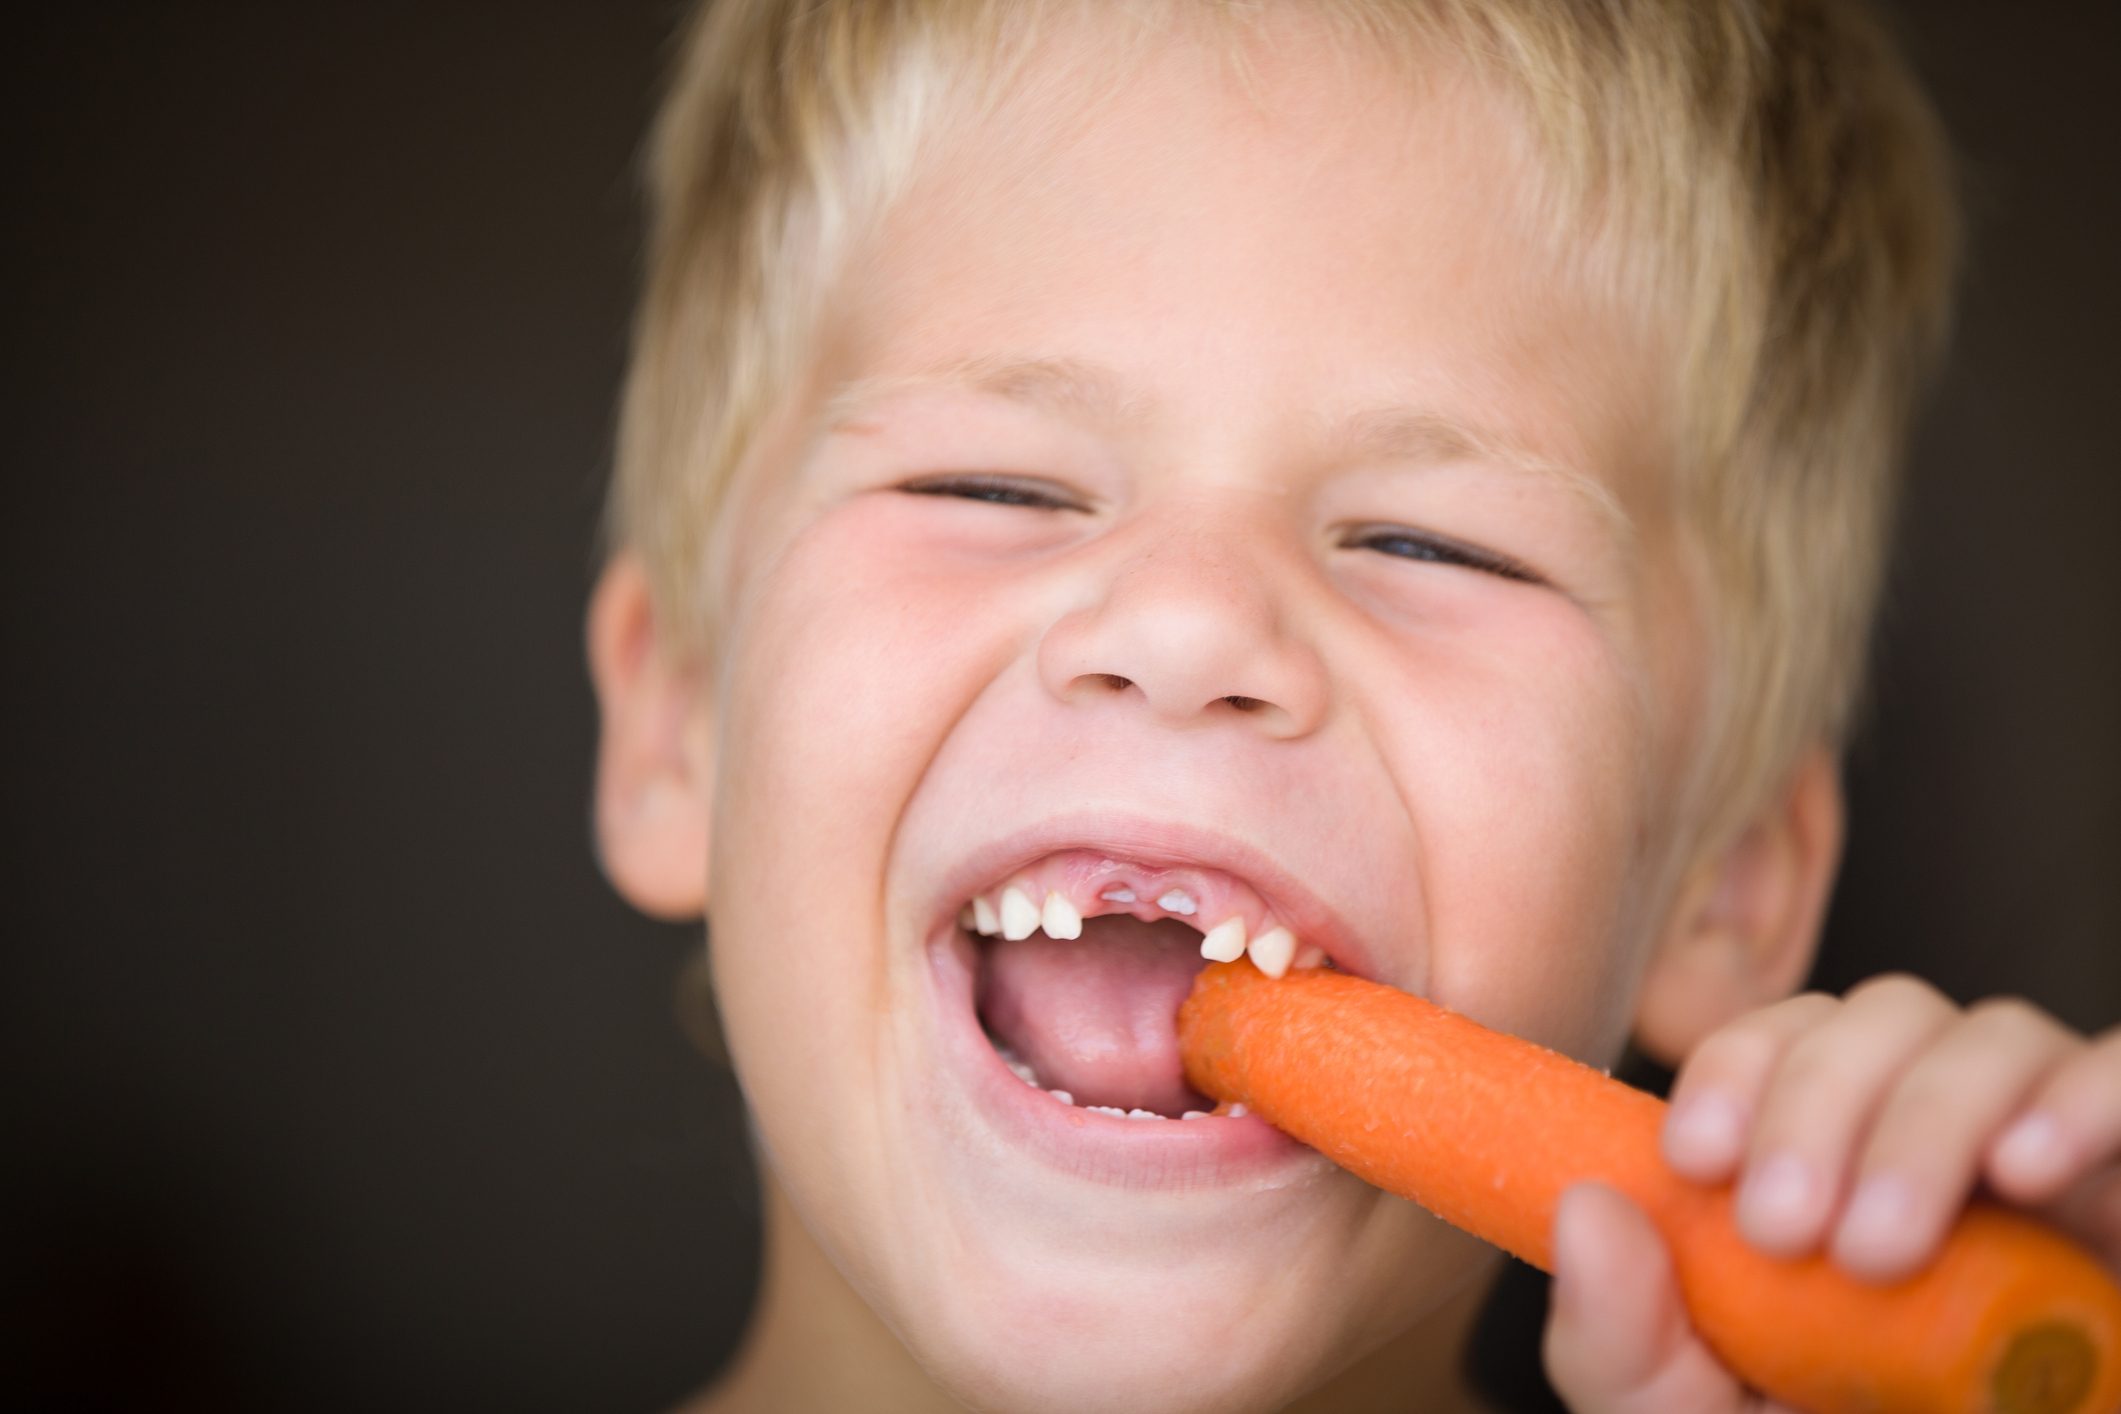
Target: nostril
<point>1113,681</point>
<point>1245,704</point>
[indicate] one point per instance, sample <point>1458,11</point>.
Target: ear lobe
<point>655,768</point>
<point>1747,923</point>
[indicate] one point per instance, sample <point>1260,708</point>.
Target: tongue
<point>1097,1016</point>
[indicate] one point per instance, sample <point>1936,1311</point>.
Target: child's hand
<point>1856,1126</point>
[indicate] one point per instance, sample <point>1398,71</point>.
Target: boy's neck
<point>814,1344</point>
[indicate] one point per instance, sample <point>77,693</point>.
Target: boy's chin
<point>1236,1330</point>
<point>1132,1352</point>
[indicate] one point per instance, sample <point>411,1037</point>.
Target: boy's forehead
<point>1358,254</point>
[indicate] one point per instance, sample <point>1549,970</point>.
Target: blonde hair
<point>1764,170</point>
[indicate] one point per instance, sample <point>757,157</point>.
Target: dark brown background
<point>335,1078</point>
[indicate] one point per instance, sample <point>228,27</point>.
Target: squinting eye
<point>1441,550</point>
<point>995,490</point>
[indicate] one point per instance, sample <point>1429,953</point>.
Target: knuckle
<point>1807,1007</point>
<point>2011,1018</point>
<point>2092,1069</point>
<point>1753,1050</point>
<point>1897,989</point>
<point>1733,1054</point>
<point>1813,1060</point>
<point>1925,1097</point>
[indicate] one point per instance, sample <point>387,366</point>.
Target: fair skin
<point>1320,537</point>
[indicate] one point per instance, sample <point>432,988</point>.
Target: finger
<point>1820,1101</point>
<point>1717,1092</point>
<point>1926,1143</point>
<point>2090,1212</point>
<point>2071,1125</point>
<point>1617,1339</point>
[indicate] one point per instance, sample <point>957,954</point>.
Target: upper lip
<point>1160,842</point>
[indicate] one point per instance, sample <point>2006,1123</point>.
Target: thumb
<point>1617,1339</point>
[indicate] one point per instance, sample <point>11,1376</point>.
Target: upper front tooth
<point>1177,901</point>
<point>1060,919</point>
<point>1019,914</point>
<point>1272,951</point>
<point>983,917</point>
<point>1225,942</point>
<point>1117,895</point>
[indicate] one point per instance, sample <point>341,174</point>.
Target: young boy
<point>1400,484</point>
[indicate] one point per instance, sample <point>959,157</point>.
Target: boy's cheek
<point>834,673</point>
<point>1527,773</point>
<point>839,687</point>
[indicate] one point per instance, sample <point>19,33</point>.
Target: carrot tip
<point>2047,1369</point>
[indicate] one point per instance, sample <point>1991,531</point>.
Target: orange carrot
<point>1486,1131</point>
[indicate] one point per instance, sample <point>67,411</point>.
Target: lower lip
<point>1215,1152</point>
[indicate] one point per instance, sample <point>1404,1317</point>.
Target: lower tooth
<point>1063,1096</point>
<point>1106,1110</point>
<point>1018,1066</point>
<point>1143,1114</point>
<point>1194,1114</point>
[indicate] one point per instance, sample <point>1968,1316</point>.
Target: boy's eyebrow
<point>1426,436</point>
<point>1396,432</point>
<point>1062,384</point>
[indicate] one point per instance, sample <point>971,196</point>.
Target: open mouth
<point>1082,960</point>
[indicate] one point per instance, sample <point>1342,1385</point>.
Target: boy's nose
<point>1191,626</point>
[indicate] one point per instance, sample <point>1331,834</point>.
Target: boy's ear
<point>1748,920</point>
<point>655,755</point>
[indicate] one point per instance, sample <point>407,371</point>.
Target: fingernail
<point>1703,1131</point>
<point>1874,1230</point>
<point>2032,1150</point>
<point>1776,1199</point>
